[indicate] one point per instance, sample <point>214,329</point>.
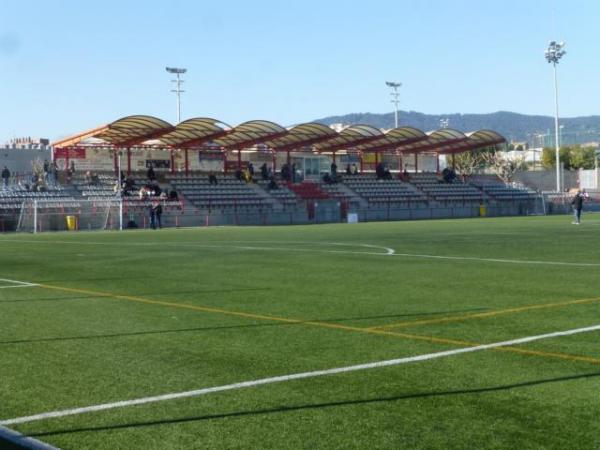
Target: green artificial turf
<point>126,315</point>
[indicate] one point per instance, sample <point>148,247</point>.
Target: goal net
<point>60,215</point>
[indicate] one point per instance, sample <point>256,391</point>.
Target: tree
<point>502,166</point>
<point>572,157</point>
<point>466,163</point>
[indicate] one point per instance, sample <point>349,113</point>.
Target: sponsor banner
<point>73,153</point>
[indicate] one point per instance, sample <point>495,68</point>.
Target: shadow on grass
<point>286,409</point>
<point>225,327</point>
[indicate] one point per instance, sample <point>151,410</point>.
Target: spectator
<point>173,195</point>
<point>247,175</point>
<point>354,169</point>
<point>54,171</point>
<point>272,183</point>
<point>285,172</point>
<point>348,170</point>
<point>293,172</point>
<point>150,174</point>
<point>264,172</point>
<point>46,169</point>
<point>5,177</point>
<point>379,170</point>
<point>333,170</point>
<point>212,178</point>
<point>251,170</point>
<point>88,177</point>
<point>72,167</point>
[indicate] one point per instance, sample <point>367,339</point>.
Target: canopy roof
<point>202,133</point>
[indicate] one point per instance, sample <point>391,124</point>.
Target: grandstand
<point>182,157</point>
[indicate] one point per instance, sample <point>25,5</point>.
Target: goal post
<point>62,215</point>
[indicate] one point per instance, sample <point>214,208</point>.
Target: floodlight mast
<point>395,98</point>
<point>553,54</point>
<point>178,72</point>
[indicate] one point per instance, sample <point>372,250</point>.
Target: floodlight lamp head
<point>175,70</point>
<point>393,84</point>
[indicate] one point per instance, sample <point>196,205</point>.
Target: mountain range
<point>537,130</point>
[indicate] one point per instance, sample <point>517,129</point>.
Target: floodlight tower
<point>178,72</point>
<point>553,54</point>
<point>395,98</point>
<point>444,123</point>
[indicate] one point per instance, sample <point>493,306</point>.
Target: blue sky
<point>66,66</point>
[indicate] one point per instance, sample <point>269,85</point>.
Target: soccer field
<point>376,335</point>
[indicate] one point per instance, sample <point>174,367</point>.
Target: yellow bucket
<point>71,223</point>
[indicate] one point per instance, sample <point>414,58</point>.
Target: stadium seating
<point>378,192</point>
<point>436,189</point>
<point>495,189</point>
<point>228,193</point>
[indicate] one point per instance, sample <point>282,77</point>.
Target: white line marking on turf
<point>290,248</point>
<point>16,284</point>
<point>499,260</point>
<point>294,376</point>
<point>387,251</point>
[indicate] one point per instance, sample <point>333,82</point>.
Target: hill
<point>513,126</point>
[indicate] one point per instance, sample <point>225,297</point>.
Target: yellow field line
<point>334,326</point>
<point>484,315</point>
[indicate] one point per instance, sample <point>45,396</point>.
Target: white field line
<point>294,376</point>
<point>499,260</point>
<point>293,247</point>
<point>15,284</point>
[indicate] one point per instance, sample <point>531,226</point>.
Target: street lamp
<point>178,72</point>
<point>553,54</point>
<point>395,98</point>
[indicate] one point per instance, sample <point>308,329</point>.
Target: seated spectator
<point>150,174</point>
<point>272,183</point>
<point>212,178</point>
<point>264,172</point>
<point>95,179</point>
<point>285,172</point>
<point>387,175</point>
<point>328,179</point>
<point>173,195</point>
<point>379,170</point>
<point>239,175</point>
<point>446,175</point>
<point>88,177</point>
<point>348,170</point>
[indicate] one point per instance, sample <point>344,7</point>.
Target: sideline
<point>290,377</point>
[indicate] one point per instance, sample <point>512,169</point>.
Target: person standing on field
<point>577,203</point>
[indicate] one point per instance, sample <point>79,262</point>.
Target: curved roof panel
<point>395,138</point>
<point>133,130</point>
<point>303,135</point>
<point>194,132</point>
<point>351,137</point>
<point>251,133</point>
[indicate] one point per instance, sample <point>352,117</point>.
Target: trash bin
<point>71,223</point>
<point>482,210</point>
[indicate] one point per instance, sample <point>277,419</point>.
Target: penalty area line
<point>290,377</point>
